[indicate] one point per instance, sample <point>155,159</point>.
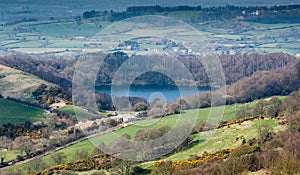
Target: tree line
<point>235,67</point>
<point>261,84</point>
<point>250,76</point>
<point>273,14</point>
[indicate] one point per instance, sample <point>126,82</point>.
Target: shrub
<point>142,114</point>
<point>80,154</point>
<point>273,107</point>
<point>173,108</point>
<point>139,170</point>
<point>235,164</point>
<point>141,106</point>
<point>264,132</point>
<point>183,103</point>
<point>164,167</point>
<point>157,109</point>
<point>291,103</point>
<point>126,136</point>
<point>11,171</point>
<point>292,144</point>
<point>19,158</point>
<point>268,157</point>
<point>244,111</point>
<point>204,126</point>
<point>36,165</point>
<point>259,108</point>
<point>286,164</point>
<point>146,135</point>
<point>57,158</point>
<point>294,123</point>
<point>211,167</point>
<point>111,123</point>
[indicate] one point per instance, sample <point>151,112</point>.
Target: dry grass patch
<point>18,84</point>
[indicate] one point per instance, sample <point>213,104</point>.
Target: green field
<point>220,139</point>
<point>76,111</point>
<point>14,112</point>
<point>201,115</point>
<point>224,138</point>
<point>64,33</point>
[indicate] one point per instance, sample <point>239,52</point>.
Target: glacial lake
<point>165,93</point>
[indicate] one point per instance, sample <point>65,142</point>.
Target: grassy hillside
<point>18,84</point>
<point>14,112</point>
<point>229,113</point>
<point>224,138</point>
<point>220,139</point>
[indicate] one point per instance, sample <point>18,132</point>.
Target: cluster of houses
<point>125,119</point>
<point>154,46</point>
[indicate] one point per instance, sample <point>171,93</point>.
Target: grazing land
<point>13,112</point>
<point>44,132</point>
<point>223,134</point>
<point>73,35</point>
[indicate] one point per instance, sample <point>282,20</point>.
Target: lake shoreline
<point>150,92</point>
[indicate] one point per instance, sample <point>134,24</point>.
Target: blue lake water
<point>150,93</point>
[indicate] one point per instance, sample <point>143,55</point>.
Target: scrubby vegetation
<point>270,151</point>
<point>252,77</point>
<point>260,134</point>
<point>235,68</point>
<point>260,85</point>
<point>249,147</point>
<point>49,95</point>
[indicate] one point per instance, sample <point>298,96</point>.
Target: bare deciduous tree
<point>24,144</point>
